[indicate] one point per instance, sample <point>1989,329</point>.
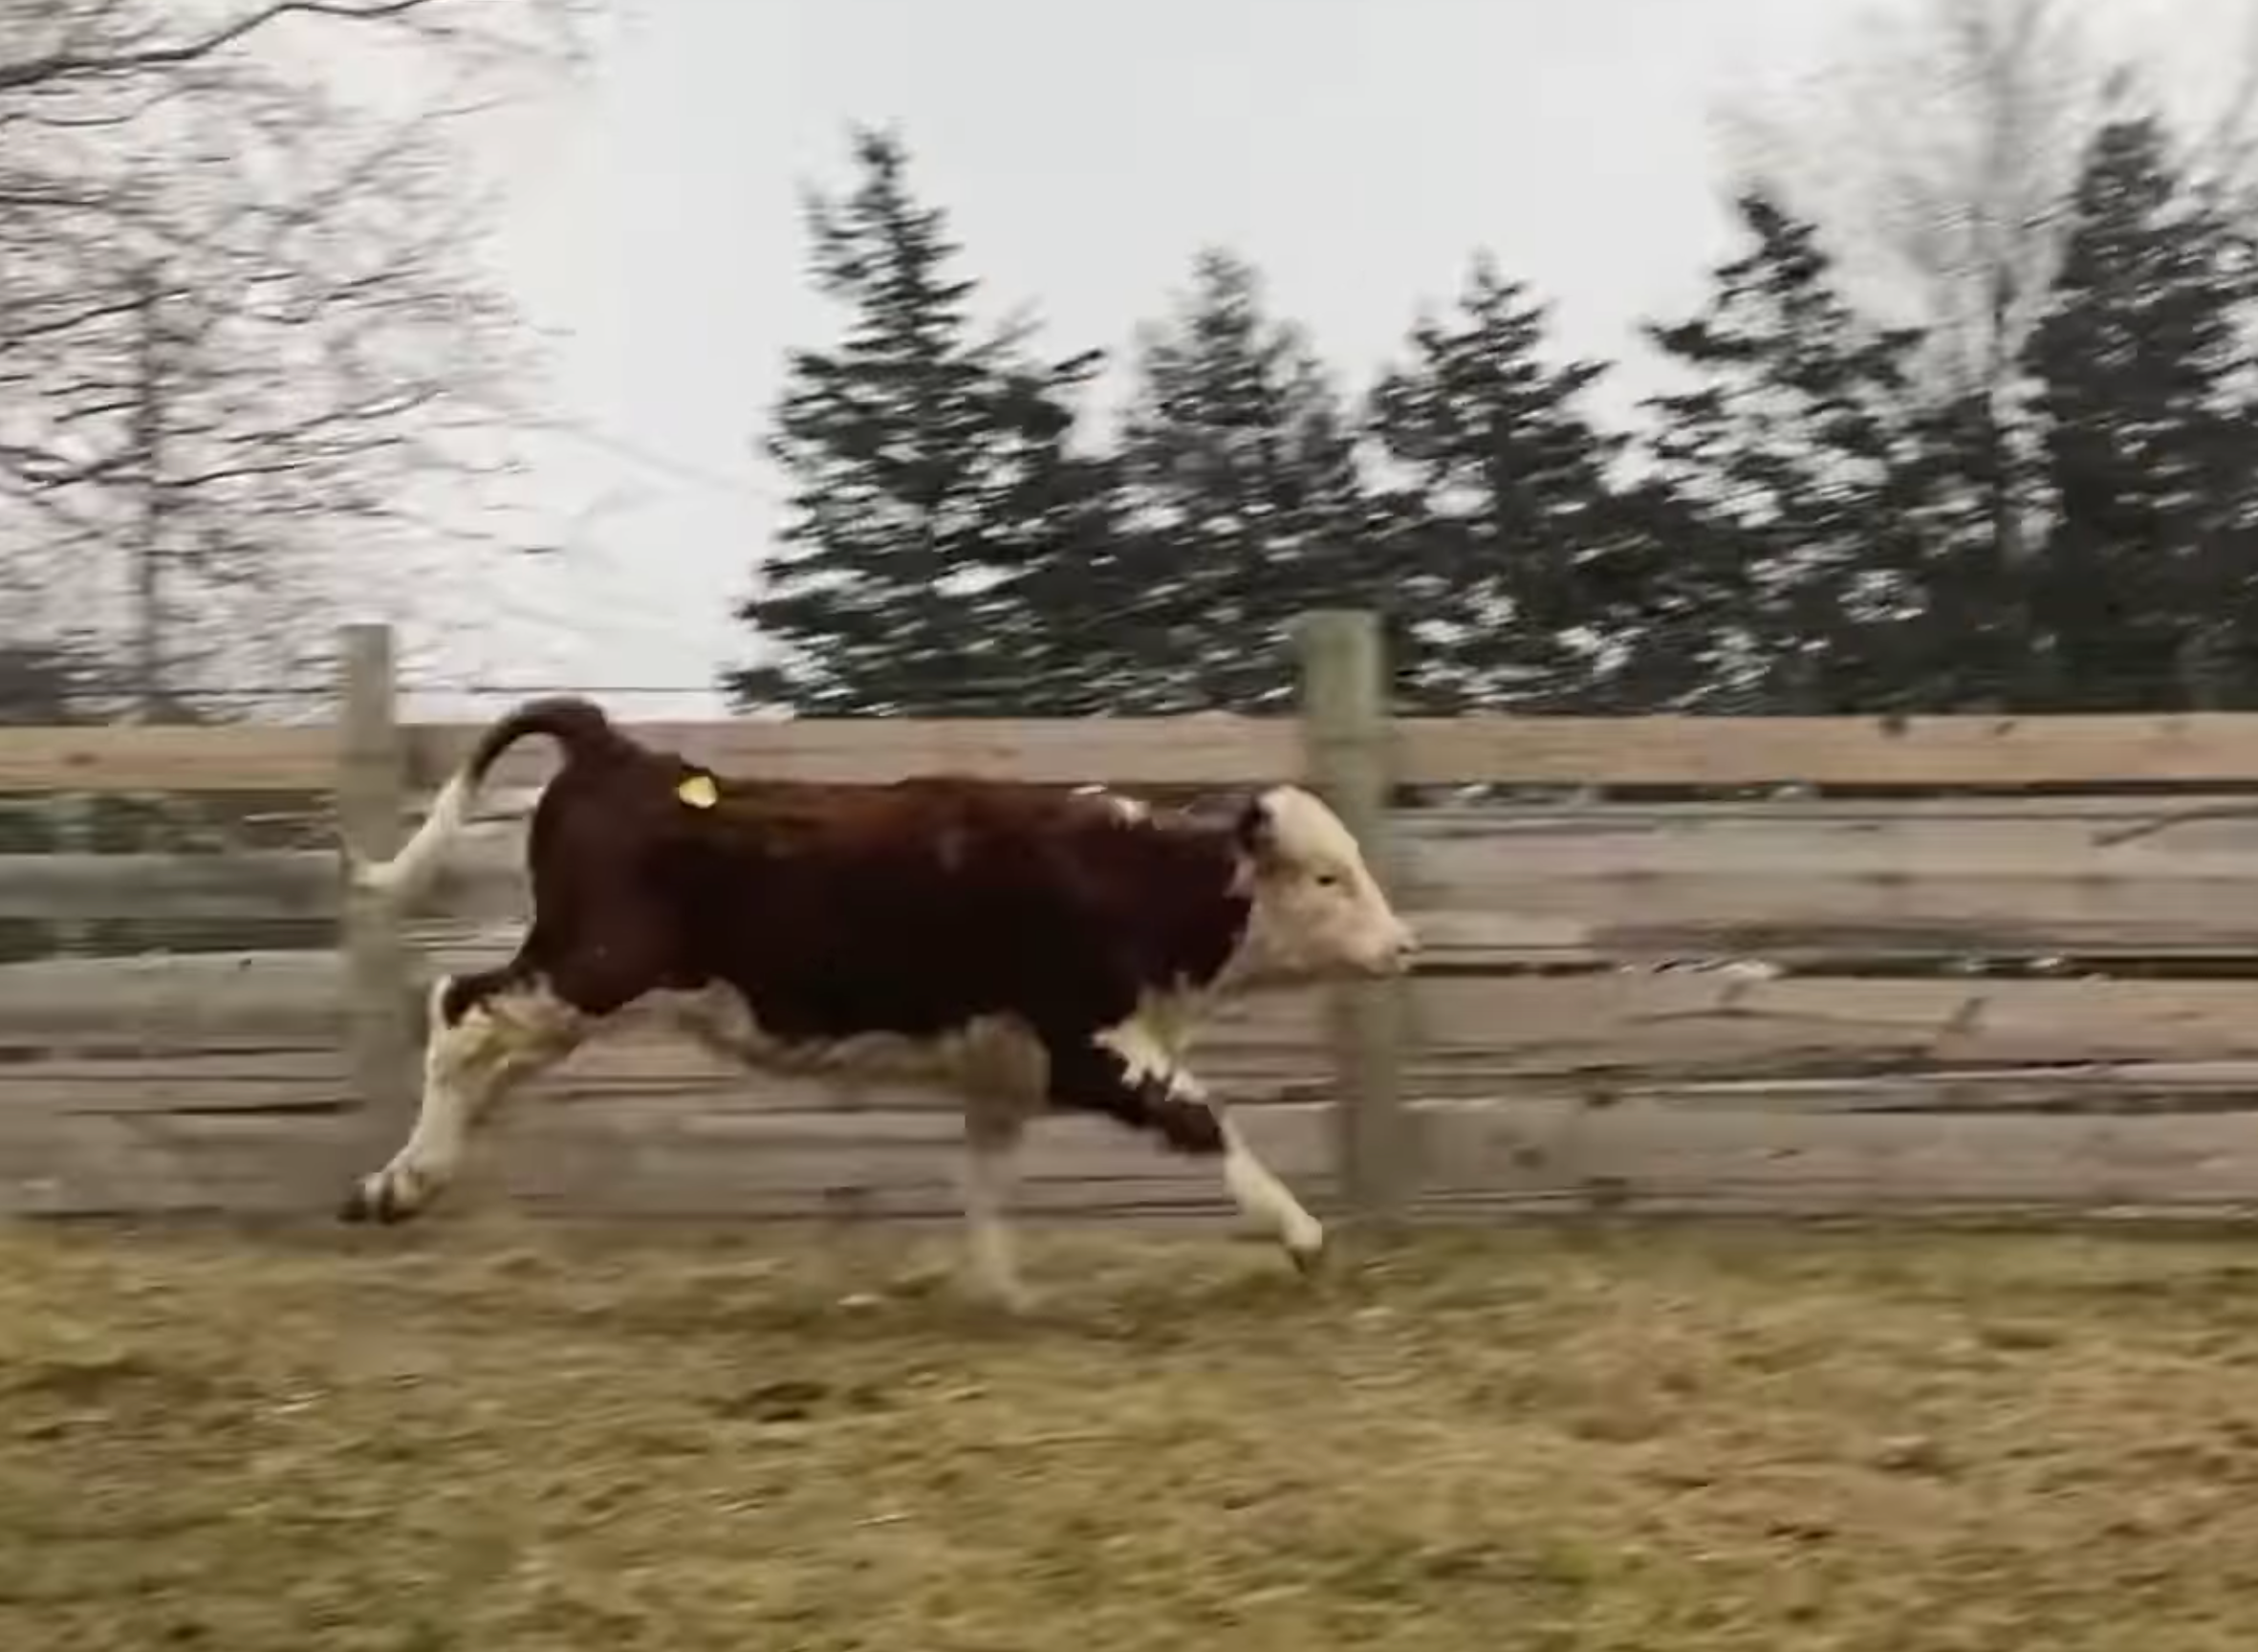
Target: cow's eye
<point>1329,880</point>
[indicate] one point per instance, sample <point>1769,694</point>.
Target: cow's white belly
<point>994,1056</point>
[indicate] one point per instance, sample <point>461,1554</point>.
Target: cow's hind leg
<point>991,1150</point>
<point>489,1032</point>
<point>1129,1075</point>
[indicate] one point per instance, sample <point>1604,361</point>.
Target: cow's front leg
<point>1129,1073</point>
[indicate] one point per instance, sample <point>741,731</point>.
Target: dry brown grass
<point>492,1438</point>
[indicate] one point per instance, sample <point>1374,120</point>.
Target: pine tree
<point>1823,510</point>
<point>1518,577</point>
<point>44,685</point>
<point>2144,596</point>
<point>937,504</point>
<point>1240,483</point>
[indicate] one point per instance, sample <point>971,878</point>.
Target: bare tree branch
<point>86,63</point>
<point>331,372</point>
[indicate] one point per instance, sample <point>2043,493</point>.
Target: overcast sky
<point>1357,150</point>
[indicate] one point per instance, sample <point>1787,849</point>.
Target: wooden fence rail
<point>1943,985</point>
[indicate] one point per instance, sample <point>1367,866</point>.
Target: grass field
<point>495,1437</point>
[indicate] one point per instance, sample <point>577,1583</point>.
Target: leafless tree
<point>1936,156</point>
<point>250,361</point>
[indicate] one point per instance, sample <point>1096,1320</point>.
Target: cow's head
<point>1317,911</point>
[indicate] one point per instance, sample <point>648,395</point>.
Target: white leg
<point>988,1178</point>
<point>467,1068</point>
<point>1262,1196</point>
<point>1149,1056</point>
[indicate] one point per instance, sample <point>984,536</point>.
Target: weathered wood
<point>1488,1155</point>
<point>1205,748</point>
<point>1792,879</point>
<point>115,758</point>
<point>1711,1025</point>
<point>2094,751</point>
<point>1629,1157</point>
<point>1462,1035</point>
<point>251,884</point>
<point>371,773</point>
<point>1346,756</point>
<point>267,884</point>
<point>1202,749</point>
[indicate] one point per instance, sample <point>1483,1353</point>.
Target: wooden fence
<point>1725,964</point>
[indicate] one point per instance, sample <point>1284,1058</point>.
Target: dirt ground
<point>506,1438</point>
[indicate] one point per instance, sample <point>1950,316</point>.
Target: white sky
<point>1357,150</point>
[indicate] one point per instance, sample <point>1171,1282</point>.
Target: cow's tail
<point>582,732</point>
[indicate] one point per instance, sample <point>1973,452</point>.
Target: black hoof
<point>373,1201</point>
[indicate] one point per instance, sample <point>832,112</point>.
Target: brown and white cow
<point>1020,945</point>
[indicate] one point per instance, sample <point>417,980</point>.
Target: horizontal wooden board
<point>1672,1156</point>
<point>2094,751</point>
<point>1202,749</point>
<point>1790,879</point>
<point>1487,1155</point>
<point>140,757</point>
<point>1195,751</point>
<point>136,1031</point>
<point>254,884</point>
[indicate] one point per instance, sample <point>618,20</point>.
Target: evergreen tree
<point>2145,598</point>
<point>936,507</point>
<point>1824,508</point>
<point>1240,483</point>
<point>1518,576</point>
<point>42,684</point>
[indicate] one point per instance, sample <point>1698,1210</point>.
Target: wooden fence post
<point>372,799</point>
<point>1347,756</point>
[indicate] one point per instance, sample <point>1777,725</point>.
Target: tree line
<point>1962,423</point>
<point>1825,513</point>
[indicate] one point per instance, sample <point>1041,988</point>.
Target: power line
<point>682,470</point>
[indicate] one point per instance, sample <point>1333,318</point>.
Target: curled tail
<point>578,727</point>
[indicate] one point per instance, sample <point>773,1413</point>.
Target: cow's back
<point>916,908</point>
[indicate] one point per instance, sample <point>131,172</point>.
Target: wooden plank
<point>1703,1025</point>
<point>1201,749</point>
<point>1462,1034</point>
<point>2092,751</point>
<point>1626,1158</point>
<point>225,1081</point>
<point>153,757</point>
<point>1933,883</point>
<point>1487,1155</point>
<point>267,884</point>
<point>777,1167</point>
<point>247,884</point>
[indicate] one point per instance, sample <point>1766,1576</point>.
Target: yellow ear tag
<point>698,791</point>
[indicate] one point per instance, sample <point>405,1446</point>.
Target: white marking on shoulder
<point>1151,1043</point>
<point>1127,808</point>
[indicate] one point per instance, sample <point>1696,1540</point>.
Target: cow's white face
<point>1317,910</point>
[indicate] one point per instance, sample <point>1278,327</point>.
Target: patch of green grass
<point>512,1439</point>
